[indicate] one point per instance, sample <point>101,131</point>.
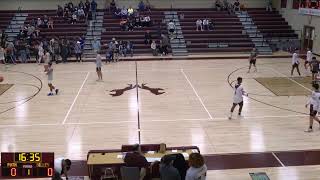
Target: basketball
<point>1,79</point>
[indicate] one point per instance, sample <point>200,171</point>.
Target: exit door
<point>308,37</point>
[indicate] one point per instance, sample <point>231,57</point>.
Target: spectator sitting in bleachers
<point>81,5</point>
<point>39,22</point>
<point>130,24</point>
<point>218,5</point>
<point>81,13</point>
<point>112,6</point>
<point>70,5</point>
<point>124,12</point>
<point>74,18</point>
<point>31,30</point>
<point>154,48</point>
<point>130,11</point>
<point>225,4</point>
<point>45,21</point>
<point>167,171</point>
<point>59,11</point>
<point>147,37</point>
<point>269,5</point>
<point>67,14</point>
<point>87,6</point>
<point>50,23</point>
<point>123,24</point>
<point>148,6</point>
<point>199,25</point>
<point>117,13</point>
<point>205,23</point>
<point>171,28</point>
<point>136,159</point>
<point>236,6</point>
<point>141,6</point>
<point>137,22</point>
<point>93,6</point>
<point>146,21</point>
<point>128,49</point>
<point>197,169</point>
<point>211,27</point>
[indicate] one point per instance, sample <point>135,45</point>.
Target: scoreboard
<point>27,164</point>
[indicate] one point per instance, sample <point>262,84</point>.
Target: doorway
<point>308,37</point>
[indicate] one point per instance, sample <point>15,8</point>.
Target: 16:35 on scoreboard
<point>27,164</point>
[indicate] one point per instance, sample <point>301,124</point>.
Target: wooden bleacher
<point>271,24</point>
<point>5,18</point>
<point>226,37</point>
<point>61,27</point>
<point>112,27</point>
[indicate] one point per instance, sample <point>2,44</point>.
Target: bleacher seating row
<point>227,35</point>
<point>112,27</point>
<point>5,18</point>
<point>62,28</point>
<point>271,24</point>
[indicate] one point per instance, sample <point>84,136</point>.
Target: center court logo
<point>119,92</point>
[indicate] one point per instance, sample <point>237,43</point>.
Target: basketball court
<point>180,103</point>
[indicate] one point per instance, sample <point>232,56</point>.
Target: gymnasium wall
<point>298,22</point>
<point>52,4</point>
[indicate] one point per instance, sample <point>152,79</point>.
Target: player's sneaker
<point>50,94</point>
<point>57,91</point>
<point>309,130</point>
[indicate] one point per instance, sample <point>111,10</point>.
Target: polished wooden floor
<point>192,111</point>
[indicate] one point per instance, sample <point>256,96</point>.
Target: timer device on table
<point>27,164</point>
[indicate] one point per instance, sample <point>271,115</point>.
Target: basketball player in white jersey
<point>314,102</point>
<point>308,59</point>
<point>238,97</point>
<point>295,62</point>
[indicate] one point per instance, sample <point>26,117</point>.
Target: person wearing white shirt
<point>199,25</point>
<point>314,102</point>
<point>308,60</point>
<point>238,97</point>
<point>295,62</point>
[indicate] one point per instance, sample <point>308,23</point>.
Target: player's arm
<point>244,93</point>
<point>309,101</point>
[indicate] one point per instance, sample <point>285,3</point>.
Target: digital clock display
<point>27,164</point>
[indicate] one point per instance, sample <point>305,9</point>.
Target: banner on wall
<point>309,11</point>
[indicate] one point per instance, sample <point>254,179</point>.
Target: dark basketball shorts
<point>98,68</point>
<point>295,65</point>
<point>240,103</point>
<point>313,112</point>
<point>253,61</point>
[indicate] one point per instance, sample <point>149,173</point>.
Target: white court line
<point>278,160</point>
<point>195,92</point>
<point>158,120</point>
<point>28,125</point>
<point>102,122</point>
<point>290,79</point>
<point>75,99</point>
